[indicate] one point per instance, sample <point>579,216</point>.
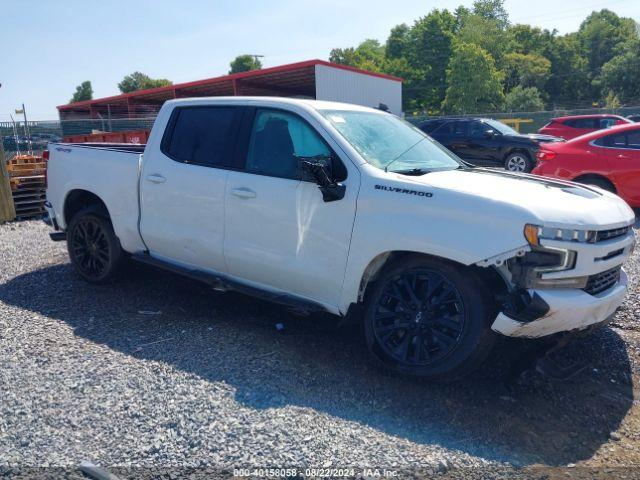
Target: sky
<point>51,46</point>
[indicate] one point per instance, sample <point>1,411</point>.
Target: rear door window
<point>633,140</point>
<point>588,123</point>
<point>202,135</point>
<point>460,128</point>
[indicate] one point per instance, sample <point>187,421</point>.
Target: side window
<point>633,140</point>
<point>587,123</point>
<point>277,141</point>
<point>431,126</point>
<point>201,135</point>
<point>477,129</point>
<point>614,141</point>
<point>607,122</point>
<point>460,128</point>
<point>445,129</point>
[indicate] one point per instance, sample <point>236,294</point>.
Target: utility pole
<point>27,133</point>
<point>7,208</point>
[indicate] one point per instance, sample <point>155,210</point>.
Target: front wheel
<point>94,249</point>
<point>428,318</point>
<point>518,162</point>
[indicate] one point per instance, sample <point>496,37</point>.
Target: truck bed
<point>110,171</point>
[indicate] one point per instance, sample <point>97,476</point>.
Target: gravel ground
<point>158,371</point>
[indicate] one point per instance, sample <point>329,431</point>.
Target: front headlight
<point>535,233</point>
<point>527,271</point>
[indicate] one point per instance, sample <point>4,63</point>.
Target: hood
<point>551,203</point>
<point>537,137</point>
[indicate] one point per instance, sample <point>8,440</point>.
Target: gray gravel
<point>203,379</point>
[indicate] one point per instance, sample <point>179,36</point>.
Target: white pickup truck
<point>352,211</point>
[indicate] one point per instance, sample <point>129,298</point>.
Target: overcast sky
<point>50,46</point>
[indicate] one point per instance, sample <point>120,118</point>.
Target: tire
<point>94,249</point>
<point>452,336</point>
<point>598,182</point>
<point>518,162</point>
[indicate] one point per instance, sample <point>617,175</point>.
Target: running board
<point>225,283</point>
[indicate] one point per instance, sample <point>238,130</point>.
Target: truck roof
<point>271,101</point>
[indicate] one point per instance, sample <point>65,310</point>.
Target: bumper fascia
<point>569,310</point>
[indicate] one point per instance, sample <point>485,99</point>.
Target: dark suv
<point>486,142</point>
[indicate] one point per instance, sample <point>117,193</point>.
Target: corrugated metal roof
<point>292,79</point>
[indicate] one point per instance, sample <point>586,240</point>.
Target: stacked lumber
<point>28,188</point>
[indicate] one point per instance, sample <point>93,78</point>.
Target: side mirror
<point>318,170</point>
<point>490,133</point>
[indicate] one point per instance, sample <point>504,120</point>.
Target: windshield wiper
<point>386,167</point>
<point>413,171</point>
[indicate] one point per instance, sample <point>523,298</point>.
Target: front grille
<point>603,281</point>
<point>603,235</point>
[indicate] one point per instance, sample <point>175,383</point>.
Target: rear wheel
<point>428,318</point>
<point>94,249</point>
<point>518,162</point>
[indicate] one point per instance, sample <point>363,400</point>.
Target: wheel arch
<point>78,199</point>
<point>518,149</point>
<point>489,277</point>
<point>584,177</point>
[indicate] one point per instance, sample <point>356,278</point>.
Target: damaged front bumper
<point>562,310</point>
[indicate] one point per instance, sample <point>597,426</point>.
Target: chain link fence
<point>34,138</point>
<point>38,134</point>
<point>531,122</point>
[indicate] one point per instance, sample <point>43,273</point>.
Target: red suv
<point>609,159</point>
<point>574,126</point>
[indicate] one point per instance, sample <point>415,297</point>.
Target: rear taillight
<point>546,155</point>
<point>45,159</point>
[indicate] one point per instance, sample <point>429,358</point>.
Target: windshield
<point>501,127</point>
<point>384,141</point>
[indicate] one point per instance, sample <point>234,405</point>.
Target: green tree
<point>526,70</point>
<point>569,83</point>
<point>621,75</point>
<point>492,10</point>
<point>84,91</point>
<point>474,82</point>
<point>524,99</point>
<point>139,81</point>
<point>601,34</point>
<point>526,39</point>
<point>431,45</point>
<point>486,33</point>
<point>244,63</point>
<point>368,55</point>
<point>398,41</point>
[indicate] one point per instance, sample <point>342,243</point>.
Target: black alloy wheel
<point>419,318</point>
<point>90,247</point>
<point>429,317</point>
<point>93,247</point>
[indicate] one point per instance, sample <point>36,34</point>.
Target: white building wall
<point>340,85</point>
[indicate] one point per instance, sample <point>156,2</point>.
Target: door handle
<point>156,178</point>
<point>243,192</point>
<point>622,156</point>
